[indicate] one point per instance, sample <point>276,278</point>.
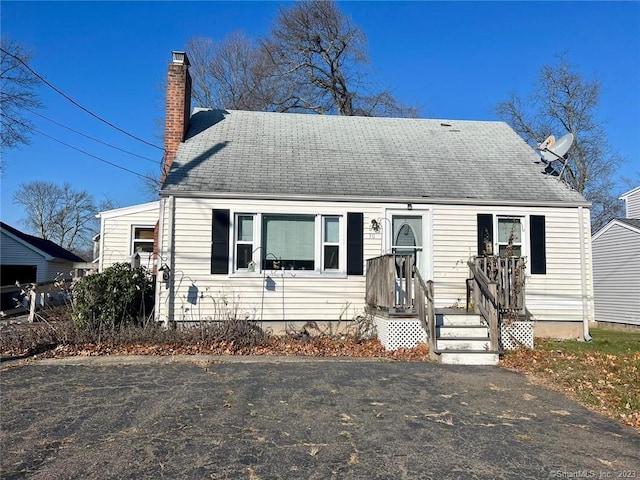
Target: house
<point>28,259</point>
<point>272,216</point>
<point>125,232</point>
<point>616,266</point>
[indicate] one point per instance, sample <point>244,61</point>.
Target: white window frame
<point>496,233</point>
<point>324,243</point>
<point>134,240</point>
<point>237,242</point>
<point>425,257</point>
<point>319,244</point>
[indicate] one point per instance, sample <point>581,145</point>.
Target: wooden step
<point>476,344</point>
<point>447,319</point>
<point>469,357</point>
<point>456,331</point>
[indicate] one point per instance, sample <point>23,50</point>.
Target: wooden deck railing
<point>497,290</point>
<point>508,273</point>
<point>395,286</point>
<point>37,296</point>
<point>386,290</point>
<point>426,311</point>
<point>485,302</point>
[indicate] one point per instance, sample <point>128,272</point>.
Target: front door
<point>407,238</point>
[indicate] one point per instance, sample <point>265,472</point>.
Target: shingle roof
<point>285,153</point>
<point>47,246</point>
<point>633,222</point>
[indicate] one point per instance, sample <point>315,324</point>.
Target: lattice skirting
<point>516,334</point>
<point>398,333</point>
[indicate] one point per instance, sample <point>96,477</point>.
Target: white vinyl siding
<point>292,295</point>
<point>117,235</point>
<point>555,296</point>
<point>616,274</point>
<point>451,239</point>
<point>13,252</point>
<point>16,253</point>
<point>632,202</point>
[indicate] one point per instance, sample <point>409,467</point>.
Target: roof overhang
<point>611,224</point>
<point>116,212</point>
<point>370,199</point>
<point>28,245</point>
<point>625,195</point>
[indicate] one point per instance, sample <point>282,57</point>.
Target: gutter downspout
<point>159,258</point>
<point>583,276</point>
<point>101,252</point>
<point>171,263</point>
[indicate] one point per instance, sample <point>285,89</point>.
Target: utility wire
<point>92,155</point>
<point>92,138</point>
<point>76,103</point>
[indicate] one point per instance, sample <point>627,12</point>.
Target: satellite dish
<point>548,143</point>
<point>557,150</point>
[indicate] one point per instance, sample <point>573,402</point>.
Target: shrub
<point>119,296</point>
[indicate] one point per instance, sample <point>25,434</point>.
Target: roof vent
<point>445,124</point>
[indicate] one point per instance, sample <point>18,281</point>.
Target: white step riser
<point>469,358</point>
<point>454,344</point>
<point>468,331</point>
<point>470,319</point>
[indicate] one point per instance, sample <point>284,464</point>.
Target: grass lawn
<point>603,374</point>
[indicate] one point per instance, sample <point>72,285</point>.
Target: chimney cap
<point>179,58</point>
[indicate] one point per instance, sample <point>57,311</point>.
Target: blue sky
<point>455,60</point>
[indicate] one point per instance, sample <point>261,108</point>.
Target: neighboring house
<point>28,259</point>
<point>125,232</point>
<point>616,266</point>
<point>25,258</point>
<point>273,215</point>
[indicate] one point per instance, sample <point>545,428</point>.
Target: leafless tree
<point>231,73</point>
<point>563,101</point>
<point>150,186</point>
<point>58,213</point>
<point>313,61</point>
<point>17,93</point>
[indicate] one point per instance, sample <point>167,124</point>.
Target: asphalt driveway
<point>162,418</point>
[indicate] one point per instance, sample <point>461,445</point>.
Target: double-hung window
<point>304,242</point>
<point>331,243</point>
<point>244,241</point>
<point>509,238</point>
<point>142,240</point>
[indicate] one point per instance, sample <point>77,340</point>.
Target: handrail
<point>485,302</point>
<point>427,318</point>
<point>381,292</point>
<point>394,285</point>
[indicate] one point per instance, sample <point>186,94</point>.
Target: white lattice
<point>516,334</point>
<point>394,334</point>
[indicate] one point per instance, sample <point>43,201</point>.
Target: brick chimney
<point>178,108</point>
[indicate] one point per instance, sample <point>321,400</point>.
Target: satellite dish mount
<point>553,150</point>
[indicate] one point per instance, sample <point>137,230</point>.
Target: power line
<point>92,155</point>
<point>76,103</point>
<point>92,138</point>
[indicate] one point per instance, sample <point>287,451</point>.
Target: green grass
<point>611,342</point>
<point>603,374</point>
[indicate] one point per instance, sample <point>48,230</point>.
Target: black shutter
<point>537,238</point>
<point>220,242</point>
<point>485,234</point>
<point>355,253</point>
